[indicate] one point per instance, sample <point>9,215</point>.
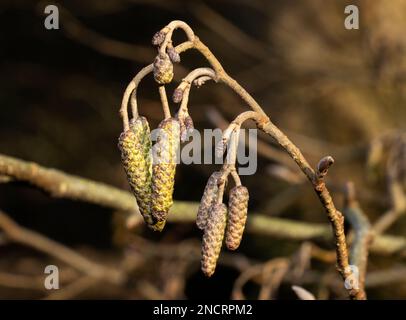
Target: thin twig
<point>131,89</point>
<point>39,242</point>
<point>362,239</point>
<point>271,272</point>
<point>272,276</point>
<point>395,163</point>
<point>77,31</point>
<point>21,281</point>
<point>63,185</point>
<point>164,102</point>
<point>263,148</point>
<point>231,33</point>
<point>73,289</point>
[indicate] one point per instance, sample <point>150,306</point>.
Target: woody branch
<point>316,178</point>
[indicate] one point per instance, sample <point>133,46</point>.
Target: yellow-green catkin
<point>208,198</point>
<point>213,238</point>
<point>237,216</point>
<point>164,168</point>
<point>135,147</point>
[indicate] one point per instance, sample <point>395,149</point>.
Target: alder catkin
<point>208,198</point>
<point>177,95</point>
<point>237,216</point>
<point>173,54</point>
<point>213,238</point>
<point>163,69</point>
<point>158,38</point>
<point>164,168</point>
<point>135,146</point>
<point>186,127</point>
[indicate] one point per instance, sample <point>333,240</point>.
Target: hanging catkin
<point>135,146</point>
<point>237,216</point>
<point>164,168</point>
<point>209,196</point>
<point>213,238</point>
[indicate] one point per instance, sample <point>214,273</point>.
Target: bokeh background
<point>333,91</point>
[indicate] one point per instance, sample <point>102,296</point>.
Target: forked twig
<point>264,123</point>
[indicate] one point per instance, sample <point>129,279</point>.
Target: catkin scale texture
<point>213,238</point>
<point>135,146</point>
<point>164,168</point>
<point>163,69</point>
<point>237,216</point>
<point>208,198</point>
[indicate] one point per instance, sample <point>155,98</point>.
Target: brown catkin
<point>173,54</point>
<point>164,168</point>
<point>177,95</point>
<point>213,238</point>
<point>158,38</point>
<point>135,146</point>
<point>237,216</point>
<point>189,123</point>
<point>208,198</point>
<point>186,127</point>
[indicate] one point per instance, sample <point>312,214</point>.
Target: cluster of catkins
<point>151,178</point>
<point>151,173</point>
<point>216,220</point>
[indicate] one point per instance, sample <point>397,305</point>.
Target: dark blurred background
<point>333,91</point>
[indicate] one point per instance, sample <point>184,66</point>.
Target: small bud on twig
<point>189,123</point>
<point>177,95</point>
<point>158,38</point>
<point>173,55</point>
<point>223,144</point>
<point>323,166</point>
<point>186,126</point>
